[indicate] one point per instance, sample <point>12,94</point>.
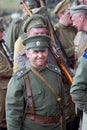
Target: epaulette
<point>54,68</point>
<point>85,54</point>
<point>20,73</point>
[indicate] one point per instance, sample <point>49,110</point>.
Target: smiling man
<point>41,111</point>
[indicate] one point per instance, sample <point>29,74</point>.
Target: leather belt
<point>3,78</point>
<point>43,119</point>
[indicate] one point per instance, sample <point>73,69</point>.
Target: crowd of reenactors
<point>43,57</point>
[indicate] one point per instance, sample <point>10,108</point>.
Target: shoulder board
<point>20,73</point>
<point>85,54</point>
<point>54,68</point>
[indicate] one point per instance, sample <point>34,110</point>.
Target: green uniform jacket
<point>66,36</point>
<point>79,86</point>
<point>5,74</point>
<point>14,31</point>
<point>44,101</point>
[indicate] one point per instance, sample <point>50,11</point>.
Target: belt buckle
<point>32,117</point>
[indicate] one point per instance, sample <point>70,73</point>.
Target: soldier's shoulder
<point>20,73</point>
<point>54,68</point>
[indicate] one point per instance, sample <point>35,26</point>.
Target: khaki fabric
<point>5,74</point>
<point>3,89</point>
<point>80,43</point>
<point>81,49</point>
<point>17,48</point>
<point>5,67</point>
<point>66,36</point>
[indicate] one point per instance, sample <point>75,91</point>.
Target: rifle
<point>26,8</point>
<point>7,52</point>
<point>54,53</point>
<point>62,61</point>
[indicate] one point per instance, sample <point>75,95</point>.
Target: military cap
<point>40,10</point>
<point>61,6</point>
<point>78,9</point>
<point>30,3</point>
<point>38,42</point>
<point>34,21</point>
<point>1,24</point>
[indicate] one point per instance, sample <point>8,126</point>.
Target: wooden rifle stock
<point>26,8</point>
<point>60,62</point>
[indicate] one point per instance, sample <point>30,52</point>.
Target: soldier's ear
<point>27,53</point>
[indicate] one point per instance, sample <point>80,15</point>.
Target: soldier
<point>78,89</point>
<point>34,25</point>
<point>66,34</point>
<point>5,74</point>
<point>81,38</point>
<point>40,110</point>
<point>15,28</point>
<point>80,12</point>
<point>64,29</point>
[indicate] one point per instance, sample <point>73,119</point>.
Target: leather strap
<point>29,93</point>
<point>43,119</point>
<point>48,85</point>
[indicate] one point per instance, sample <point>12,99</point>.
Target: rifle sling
<point>47,84</point>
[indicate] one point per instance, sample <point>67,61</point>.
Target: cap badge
<point>38,43</point>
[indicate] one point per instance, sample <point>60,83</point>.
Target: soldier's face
<point>36,31</point>
<point>37,58</point>
<point>78,21</point>
<point>66,17</point>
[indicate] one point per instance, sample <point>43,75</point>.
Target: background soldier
<point>64,29</point>
<point>34,25</point>
<point>80,24</point>
<point>5,74</point>
<point>79,87</point>
<point>15,28</point>
<point>66,33</point>
<point>43,112</point>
